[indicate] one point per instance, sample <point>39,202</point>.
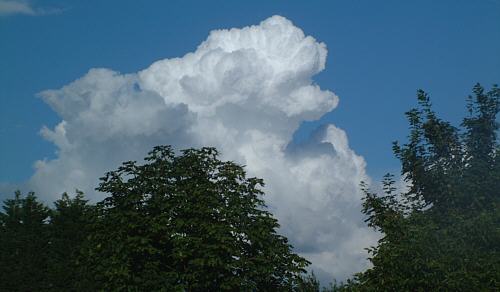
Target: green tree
<point>443,233</point>
<point>24,244</point>
<point>187,223</point>
<point>69,227</point>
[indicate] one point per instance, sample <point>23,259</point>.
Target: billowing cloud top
<point>244,91</point>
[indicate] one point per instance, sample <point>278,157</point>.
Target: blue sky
<point>379,54</point>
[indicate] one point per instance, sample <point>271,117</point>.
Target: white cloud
<point>244,91</point>
<point>11,7</point>
<point>15,7</point>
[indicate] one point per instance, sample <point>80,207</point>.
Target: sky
<point>312,93</point>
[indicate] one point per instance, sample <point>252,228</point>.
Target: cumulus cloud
<point>244,91</point>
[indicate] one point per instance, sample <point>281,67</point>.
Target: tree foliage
<point>187,223</point>
<point>39,246</point>
<point>443,233</point>
<point>69,228</point>
<point>175,223</point>
<point>23,244</point>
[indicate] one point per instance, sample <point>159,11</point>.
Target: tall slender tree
<point>24,244</point>
<point>69,227</point>
<point>443,233</point>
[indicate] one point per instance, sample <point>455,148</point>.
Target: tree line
<point>191,222</point>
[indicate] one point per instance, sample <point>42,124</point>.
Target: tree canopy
<point>175,223</point>
<point>39,246</point>
<point>23,244</point>
<point>443,233</point>
<point>187,223</point>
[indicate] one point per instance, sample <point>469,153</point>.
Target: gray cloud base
<point>244,91</point>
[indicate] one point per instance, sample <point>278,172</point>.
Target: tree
<point>187,223</point>
<point>69,227</point>
<point>443,233</point>
<point>23,244</point>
